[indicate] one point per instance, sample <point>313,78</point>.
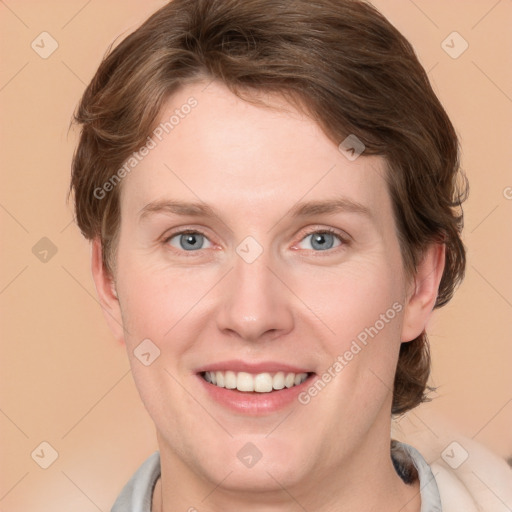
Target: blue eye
<point>188,241</point>
<point>323,240</point>
<point>193,241</point>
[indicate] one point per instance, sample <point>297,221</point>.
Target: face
<point>254,254</point>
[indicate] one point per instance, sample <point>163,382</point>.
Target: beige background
<point>66,382</point>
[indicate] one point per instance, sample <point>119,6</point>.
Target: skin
<point>296,303</point>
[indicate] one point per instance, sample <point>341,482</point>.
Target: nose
<point>255,305</point>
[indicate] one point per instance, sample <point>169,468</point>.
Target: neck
<point>366,481</point>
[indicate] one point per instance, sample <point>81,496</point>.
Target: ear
<point>422,293</point>
<point>107,293</point>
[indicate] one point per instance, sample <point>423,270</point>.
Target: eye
<point>189,241</point>
<point>322,240</point>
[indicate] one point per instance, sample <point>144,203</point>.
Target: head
<point>249,107</point>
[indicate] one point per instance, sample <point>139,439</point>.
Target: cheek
<point>362,307</point>
<point>158,300</point>
<point>352,297</point>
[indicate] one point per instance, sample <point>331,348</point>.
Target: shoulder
<point>137,494</point>
<point>469,476</point>
<point>482,480</point>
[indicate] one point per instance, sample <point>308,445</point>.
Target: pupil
<point>190,240</point>
<point>320,240</point>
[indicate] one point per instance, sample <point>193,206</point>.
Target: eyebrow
<point>299,210</point>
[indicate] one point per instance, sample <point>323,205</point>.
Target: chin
<point>259,464</point>
<point>258,479</point>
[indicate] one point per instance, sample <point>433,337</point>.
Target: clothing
<point>138,493</point>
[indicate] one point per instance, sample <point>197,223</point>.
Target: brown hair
<point>341,62</point>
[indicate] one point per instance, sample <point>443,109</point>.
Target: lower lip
<point>252,403</point>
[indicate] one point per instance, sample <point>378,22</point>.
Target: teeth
<point>260,383</point>
<point>278,380</point>
<point>289,380</point>
<point>245,382</point>
<point>230,380</point>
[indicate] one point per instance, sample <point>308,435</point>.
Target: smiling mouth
<point>255,383</point>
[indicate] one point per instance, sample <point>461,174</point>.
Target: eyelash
<point>343,239</point>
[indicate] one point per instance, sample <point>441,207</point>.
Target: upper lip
<point>236,365</point>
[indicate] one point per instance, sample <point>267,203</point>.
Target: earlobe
<point>106,290</point>
<point>423,292</point>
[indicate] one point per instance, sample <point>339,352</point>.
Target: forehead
<point>212,147</point>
